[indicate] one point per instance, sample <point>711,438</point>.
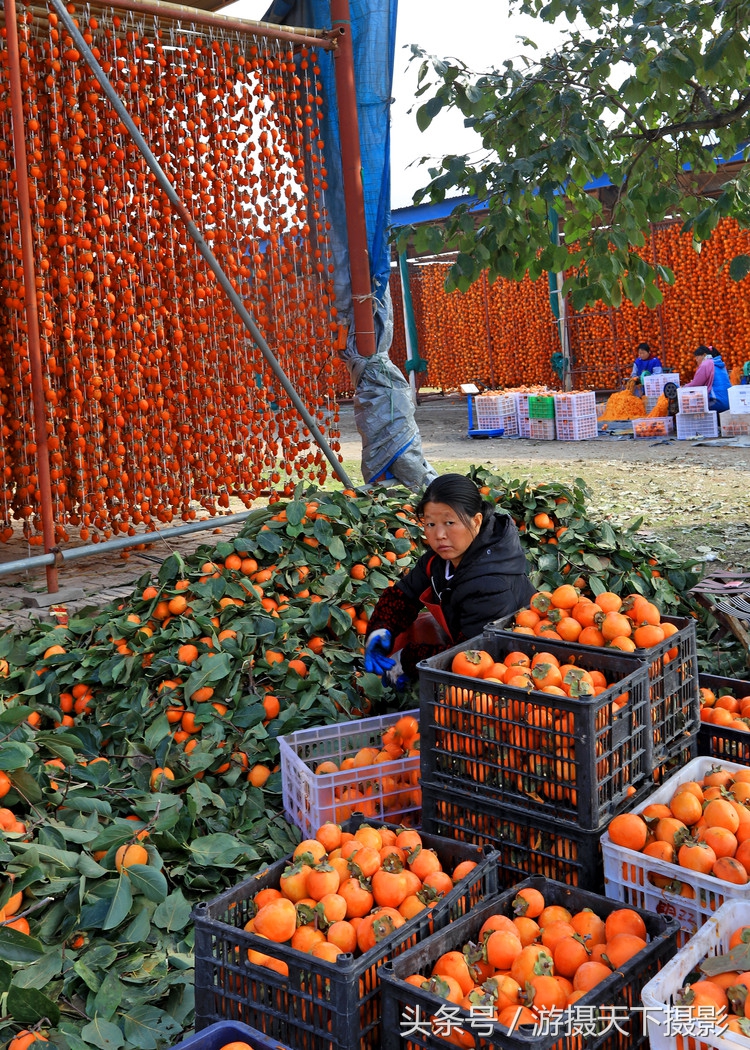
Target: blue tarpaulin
<point>383,408</point>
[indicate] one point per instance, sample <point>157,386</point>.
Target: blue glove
<point>377,648</point>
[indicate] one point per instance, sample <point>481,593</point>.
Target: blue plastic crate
<point>223,1032</point>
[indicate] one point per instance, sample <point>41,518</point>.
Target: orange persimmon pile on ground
<point>156,399</point>
<point>704,828</point>
<point>346,892</point>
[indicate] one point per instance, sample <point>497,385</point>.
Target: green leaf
<point>102,1033</point>
<point>146,1026</point>
<point>6,974</point>
<point>739,267</point>
<point>14,755</point>
<point>173,914</point>
<point>120,905</point>
<point>109,996</point>
<point>220,849</point>
<point>147,881</point>
<point>27,1006</point>
<point>19,947</point>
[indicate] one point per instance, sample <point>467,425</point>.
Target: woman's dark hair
<point>643,346</point>
<point>459,493</point>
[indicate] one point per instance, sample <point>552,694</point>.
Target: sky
<point>478,32</point>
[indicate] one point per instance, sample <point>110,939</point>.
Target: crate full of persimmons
<point>525,722</point>
<point>637,629</point>
<point>685,850</point>
<point>370,767</point>
<point>294,951</point>
<point>725,718</point>
<point>541,966</point>
<point>707,981</point>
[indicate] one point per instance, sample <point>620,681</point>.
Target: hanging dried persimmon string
<point>158,403</point>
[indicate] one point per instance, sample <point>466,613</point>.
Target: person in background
<point>704,373</point>
<point>718,396</point>
<point>645,362</point>
<point>475,571</point>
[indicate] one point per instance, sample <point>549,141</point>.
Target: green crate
<point>541,408</point>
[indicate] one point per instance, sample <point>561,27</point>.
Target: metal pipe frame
<point>123,542</point>
<point>198,239</point>
<point>322,38</point>
<point>29,288</point>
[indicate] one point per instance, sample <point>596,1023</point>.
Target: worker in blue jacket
<point>718,398</point>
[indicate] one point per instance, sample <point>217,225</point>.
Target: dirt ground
<point>692,496</point>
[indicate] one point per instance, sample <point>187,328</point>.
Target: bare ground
<point>691,496</point>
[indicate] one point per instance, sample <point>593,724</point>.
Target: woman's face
<point>446,534</point>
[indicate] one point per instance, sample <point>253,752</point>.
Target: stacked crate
<point>496,412</point>
<point>575,416</point>
<point>736,421</point>
<point>542,417</point>
<point>522,414</point>
<point>653,386</point>
<point>694,419</point>
<point>534,775</point>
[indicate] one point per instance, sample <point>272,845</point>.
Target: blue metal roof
<point>417,213</point>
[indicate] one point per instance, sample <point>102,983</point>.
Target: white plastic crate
<point>522,404</point>
<point>734,424</point>
<point>629,875</point>
<point>576,405</point>
<point>650,403</point>
<point>664,991</point>
<point>490,408</point>
<point>542,429</point>
<point>692,399</point>
<point>384,791</point>
<point>697,424</point>
<point>654,385</point>
<point>653,426</point>
<point>496,411</point>
<point>739,399</point>
<point>576,429</point>
<point>524,427</point>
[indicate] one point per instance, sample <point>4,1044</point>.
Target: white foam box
<point>582,429</point>
<point>653,386</point>
<point>739,399</point>
<point>387,790</point>
<point>697,424</point>
<point>629,875</point>
<point>575,405</point>
<point>664,991</point>
<point>734,424</point>
<point>692,399</point>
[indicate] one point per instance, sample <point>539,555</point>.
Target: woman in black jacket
<point>474,572</point>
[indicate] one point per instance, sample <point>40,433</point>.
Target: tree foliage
<point>650,95</point>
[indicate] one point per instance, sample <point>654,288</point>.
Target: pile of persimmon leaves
<point>108,959</point>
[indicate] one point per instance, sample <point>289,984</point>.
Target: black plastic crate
<point>526,843</point>
<point>220,1034</point>
<point>317,1005</point>
<point>673,682</point>
<point>577,759</point>
<point>617,996</point>
<point>721,741</point>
